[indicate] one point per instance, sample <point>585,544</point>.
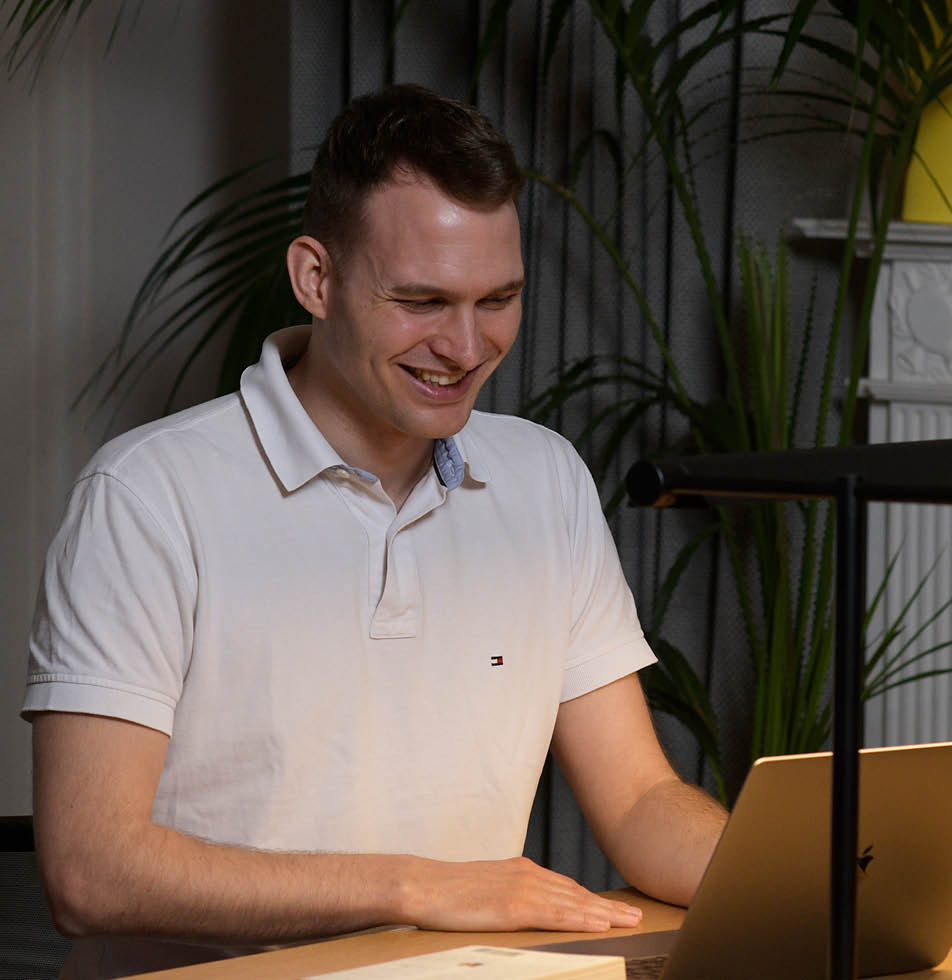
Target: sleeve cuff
<point>93,696</point>
<point>619,662</point>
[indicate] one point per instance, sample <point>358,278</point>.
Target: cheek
<point>400,335</point>
<point>507,331</point>
<point>362,347</point>
<point>345,348</point>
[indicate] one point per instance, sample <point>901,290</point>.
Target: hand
<point>506,896</point>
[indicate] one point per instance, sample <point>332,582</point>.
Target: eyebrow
<point>422,289</point>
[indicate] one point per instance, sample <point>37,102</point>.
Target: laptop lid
<point>765,896</point>
<point>762,908</point>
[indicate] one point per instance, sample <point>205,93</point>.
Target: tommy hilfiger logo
<point>495,661</point>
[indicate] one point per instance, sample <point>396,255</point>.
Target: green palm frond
<point>35,25</point>
<point>222,269</point>
<point>672,686</point>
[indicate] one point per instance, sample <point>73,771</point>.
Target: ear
<point>309,268</point>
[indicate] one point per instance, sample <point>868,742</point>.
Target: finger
<point>585,911</point>
<point>624,909</point>
<point>623,915</point>
<point>616,912</point>
<point>577,905</point>
<point>586,920</point>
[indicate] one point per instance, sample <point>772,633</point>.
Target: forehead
<point>414,232</point>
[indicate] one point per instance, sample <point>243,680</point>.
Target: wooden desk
<point>376,947</point>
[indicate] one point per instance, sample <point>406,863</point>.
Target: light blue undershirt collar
<point>448,462</point>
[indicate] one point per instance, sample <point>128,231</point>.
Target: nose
<point>459,339</point>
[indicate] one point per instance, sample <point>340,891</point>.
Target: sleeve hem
<point>93,696</point>
<point>609,666</point>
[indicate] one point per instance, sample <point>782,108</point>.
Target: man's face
<point>428,304</point>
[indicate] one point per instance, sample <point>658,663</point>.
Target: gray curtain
<point>575,302</point>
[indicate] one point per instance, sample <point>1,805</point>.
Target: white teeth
<point>438,379</point>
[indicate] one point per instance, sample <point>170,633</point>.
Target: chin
<point>442,432</point>
<point>444,427</point>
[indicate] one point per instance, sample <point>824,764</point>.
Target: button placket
<point>397,613</point>
<point>375,512</point>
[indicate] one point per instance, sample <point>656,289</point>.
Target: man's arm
<point>657,830</point>
<point>109,869</point>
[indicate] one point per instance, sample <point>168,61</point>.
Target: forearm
<point>162,884</point>
<point>657,830</point>
<point>665,842</point>
<point>157,882</point>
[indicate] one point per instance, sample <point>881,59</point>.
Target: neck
<point>398,467</point>
<point>398,487</point>
<point>396,459</point>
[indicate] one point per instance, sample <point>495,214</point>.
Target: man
<point>300,652</point>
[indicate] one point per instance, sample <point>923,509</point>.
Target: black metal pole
<point>847,729</point>
<point>906,471</point>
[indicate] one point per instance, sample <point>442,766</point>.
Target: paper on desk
<point>492,962</point>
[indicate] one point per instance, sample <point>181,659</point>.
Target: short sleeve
<point>606,640</point>
<point>112,630</point>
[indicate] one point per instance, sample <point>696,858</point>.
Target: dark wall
<point>576,304</point>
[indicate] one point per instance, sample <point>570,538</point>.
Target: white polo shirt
<point>334,675</point>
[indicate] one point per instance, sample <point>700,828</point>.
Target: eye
<point>421,305</point>
<point>498,302</point>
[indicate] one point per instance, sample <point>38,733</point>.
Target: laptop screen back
<point>765,897</point>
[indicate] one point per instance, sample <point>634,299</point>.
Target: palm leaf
<point>495,26</point>
<point>672,686</point>
<point>36,24</point>
<point>222,264</point>
<point>553,30</point>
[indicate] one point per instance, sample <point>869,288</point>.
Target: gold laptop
<point>762,909</point>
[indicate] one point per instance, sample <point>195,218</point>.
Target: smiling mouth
<point>435,378</point>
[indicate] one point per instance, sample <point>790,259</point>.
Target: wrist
<point>403,888</point>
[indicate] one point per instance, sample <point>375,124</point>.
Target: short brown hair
<point>404,126</point>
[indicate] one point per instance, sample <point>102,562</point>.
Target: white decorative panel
<point>919,535</point>
<point>920,308</point>
<point>910,387</point>
<point>910,398</point>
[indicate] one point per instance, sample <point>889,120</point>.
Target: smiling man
<point>300,652</point>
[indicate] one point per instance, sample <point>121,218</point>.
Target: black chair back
<point>30,946</point>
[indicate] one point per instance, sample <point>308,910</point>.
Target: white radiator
<point>910,391</point>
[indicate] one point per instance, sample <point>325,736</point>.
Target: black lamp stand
<point>918,472</point>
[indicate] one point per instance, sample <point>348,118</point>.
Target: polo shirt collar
<point>294,446</point>
<point>468,448</point>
